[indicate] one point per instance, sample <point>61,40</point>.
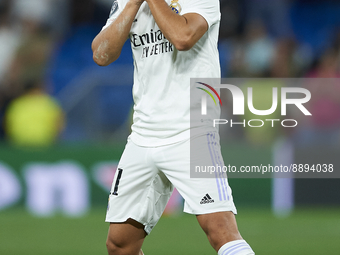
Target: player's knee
<point>114,248</point>
<point>120,247</point>
<point>111,247</point>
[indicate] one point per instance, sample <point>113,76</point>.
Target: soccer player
<point>171,42</point>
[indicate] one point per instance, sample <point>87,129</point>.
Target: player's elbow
<point>100,59</point>
<point>183,44</point>
<point>101,56</point>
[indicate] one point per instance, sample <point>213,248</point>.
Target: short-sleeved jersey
<point>161,89</point>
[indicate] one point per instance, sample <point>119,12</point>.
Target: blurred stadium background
<point>64,122</point>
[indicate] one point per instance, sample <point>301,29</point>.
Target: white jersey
<point>161,89</point>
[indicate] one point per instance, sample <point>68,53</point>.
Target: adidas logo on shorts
<point>207,200</point>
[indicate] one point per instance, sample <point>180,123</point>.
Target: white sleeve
<point>209,9</point>
<point>116,9</point>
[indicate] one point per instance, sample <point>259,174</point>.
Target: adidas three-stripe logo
<point>207,199</point>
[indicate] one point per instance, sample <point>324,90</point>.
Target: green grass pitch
<point>307,231</point>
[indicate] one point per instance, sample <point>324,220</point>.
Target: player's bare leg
<point>125,238</point>
<point>221,230</point>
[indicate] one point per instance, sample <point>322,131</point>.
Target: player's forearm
<point>175,27</point>
<point>108,44</point>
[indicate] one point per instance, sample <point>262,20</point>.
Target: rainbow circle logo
<point>209,93</point>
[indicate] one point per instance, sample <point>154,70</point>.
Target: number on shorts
<point>115,191</point>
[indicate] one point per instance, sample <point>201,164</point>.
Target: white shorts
<point>146,176</point>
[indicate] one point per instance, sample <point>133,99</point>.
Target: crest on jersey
<point>114,8</point>
<point>175,6</point>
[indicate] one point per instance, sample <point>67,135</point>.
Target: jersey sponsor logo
<point>147,38</point>
<point>156,49</point>
<point>175,6</point>
<point>114,8</point>
<point>153,43</point>
<point>207,200</point>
